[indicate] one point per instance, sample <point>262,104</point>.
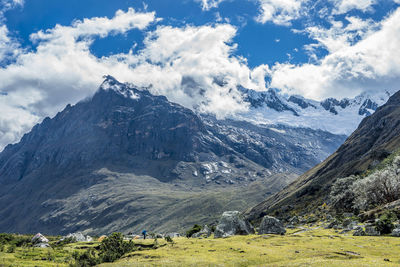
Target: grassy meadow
<point>299,247</point>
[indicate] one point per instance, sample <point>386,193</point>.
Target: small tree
<point>195,229</point>
<point>342,195</point>
<point>113,247</point>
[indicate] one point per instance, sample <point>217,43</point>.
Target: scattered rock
<point>344,231</point>
<point>396,232</point>
<point>294,220</point>
<point>333,224</point>
<point>271,225</point>
<point>371,231</point>
<point>41,245</point>
<point>329,217</point>
<point>359,232</point>
<point>232,223</point>
<point>173,235</point>
<point>101,238</point>
<point>79,237</point>
<point>39,238</point>
<point>205,232</point>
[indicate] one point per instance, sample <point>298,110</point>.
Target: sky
<point>195,52</point>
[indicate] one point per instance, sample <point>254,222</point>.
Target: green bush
<point>11,249</point>
<point>195,229</point>
<point>114,247</point>
<point>16,240</point>
<point>385,223</point>
<point>86,259</point>
<point>168,239</point>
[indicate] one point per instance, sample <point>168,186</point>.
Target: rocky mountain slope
<point>376,137</point>
<point>126,159</point>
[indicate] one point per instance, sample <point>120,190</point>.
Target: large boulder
<point>232,223</point>
<point>271,225</point>
<point>39,238</point>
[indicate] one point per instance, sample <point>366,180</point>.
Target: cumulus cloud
<point>62,70</point>
<point>209,4</point>
<point>344,6</point>
<point>280,12</point>
<point>370,64</point>
<point>198,69</point>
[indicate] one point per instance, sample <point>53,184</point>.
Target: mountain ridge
<point>376,137</point>
<point>126,158</point>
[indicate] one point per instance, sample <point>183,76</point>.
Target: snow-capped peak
<point>332,115</point>
<point>110,83</point>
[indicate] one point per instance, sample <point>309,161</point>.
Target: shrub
<point>385,223</point>
<point>355,193</point>
<point>168,239</point>
<point>195,229</point>
<point>379,188</point>
<point>11,249</point>
<point>114,247</point>
<point>342,196</point>
<point>86,259</point>
<point>16,240</point>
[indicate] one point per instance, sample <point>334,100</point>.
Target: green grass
<point>318,247</point>
<point>310,247</point>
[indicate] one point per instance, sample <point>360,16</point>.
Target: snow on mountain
<point>332,115</point>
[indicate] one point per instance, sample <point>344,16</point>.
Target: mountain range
<point>377,137</point>
<point>332,115</point>
<point>126,159</point>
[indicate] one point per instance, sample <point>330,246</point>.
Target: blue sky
<point>55,52</point>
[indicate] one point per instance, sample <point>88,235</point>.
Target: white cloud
<point>197,69</point>
<point>209,4</point>
<point>9,48</point>
<point>280,12</point>
<point>9,4</point>
<point>61,70</point>
<point>339,35</point>
<point>344,6</point>
<point>371,64</point>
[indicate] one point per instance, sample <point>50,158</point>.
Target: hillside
<point>376,137</point>
<point>126,159</point>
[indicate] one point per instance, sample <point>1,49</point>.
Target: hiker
<point>144,233</point>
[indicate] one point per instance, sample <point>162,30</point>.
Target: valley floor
<point>309,247</point>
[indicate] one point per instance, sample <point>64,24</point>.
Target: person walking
<point>144,233</point>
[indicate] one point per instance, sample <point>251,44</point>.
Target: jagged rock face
<point>118,153</point>
<point>376,137</point>
<point>232,223</point>
<point>269,99</point>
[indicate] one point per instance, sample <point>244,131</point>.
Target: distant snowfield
<point>315,116</point>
